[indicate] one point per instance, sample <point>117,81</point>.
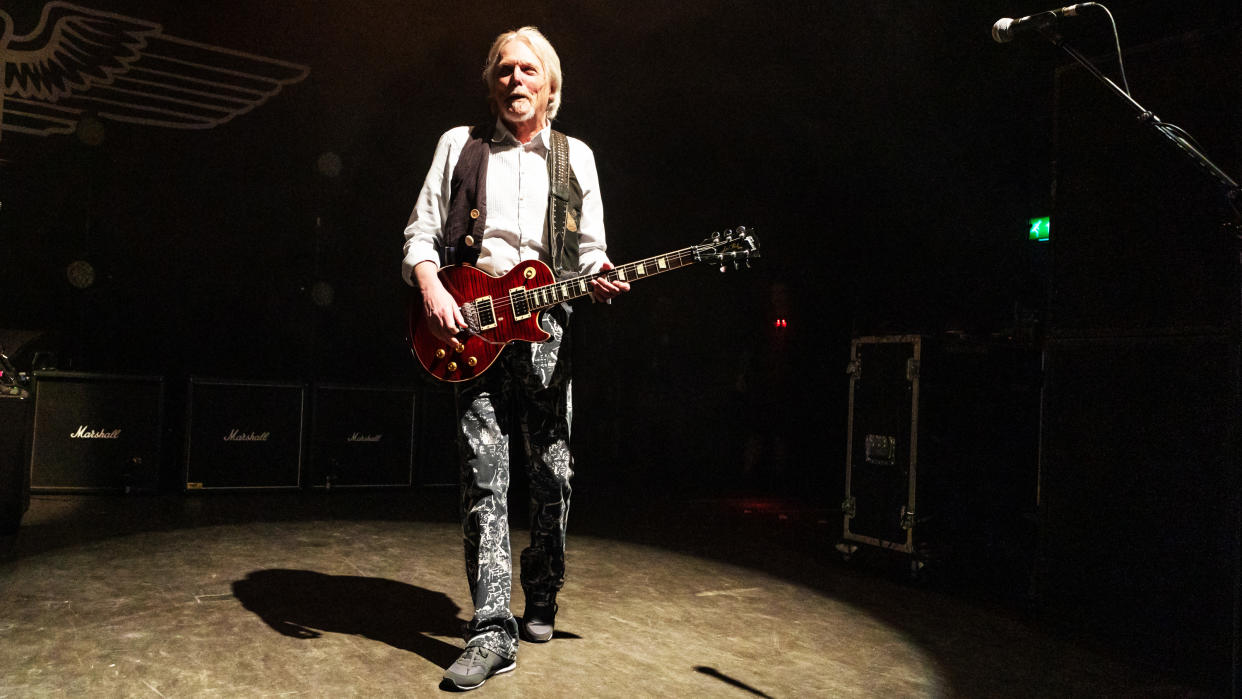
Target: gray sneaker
<point>538,622</point>
<point>475,665</point>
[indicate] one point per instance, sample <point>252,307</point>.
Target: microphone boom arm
<point>1232,191</point>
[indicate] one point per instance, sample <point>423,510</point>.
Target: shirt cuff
<point>411,261</point>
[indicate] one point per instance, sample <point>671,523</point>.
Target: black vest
<point>467,210</point>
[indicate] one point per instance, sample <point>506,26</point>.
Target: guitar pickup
<point>480,315</point>
<point>518,301</point>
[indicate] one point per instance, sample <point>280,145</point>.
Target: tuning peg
<point>741,231</point>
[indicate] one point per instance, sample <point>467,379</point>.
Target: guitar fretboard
<point>549,295</point>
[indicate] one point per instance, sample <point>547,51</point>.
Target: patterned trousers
<point>527,390</point>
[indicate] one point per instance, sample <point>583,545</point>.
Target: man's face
<point>521,90</point>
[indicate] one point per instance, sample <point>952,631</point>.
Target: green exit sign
<point>1040,228</point>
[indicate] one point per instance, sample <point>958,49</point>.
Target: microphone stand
<point>1233,195</point>
<point>1232,191</point>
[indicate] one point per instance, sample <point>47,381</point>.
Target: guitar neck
<point>550,295</point>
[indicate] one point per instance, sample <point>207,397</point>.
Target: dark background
<point>888,153</point>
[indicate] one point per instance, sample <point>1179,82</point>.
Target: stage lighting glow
<point>81,274</point>
<point>329,164</point>
<point>91,131</point>
<point>322,294</point>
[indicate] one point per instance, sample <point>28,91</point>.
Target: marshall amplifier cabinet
<point>243,435</point>
<point>96,432</point>
<point>435,424</point>
<point>361,437</point>
<point>14,477</point>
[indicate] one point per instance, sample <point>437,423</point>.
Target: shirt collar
<point>502,134</point>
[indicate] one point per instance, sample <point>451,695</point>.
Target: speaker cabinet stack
<point>244,435</point>
<point>436,428</point>
<point>1140,418</point>
<point>96,432</point>
<point>14,449</point>
<point>362,437</point>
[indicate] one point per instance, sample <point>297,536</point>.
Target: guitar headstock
<point>737,245</point>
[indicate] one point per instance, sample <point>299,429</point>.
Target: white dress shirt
<point>517,204</point>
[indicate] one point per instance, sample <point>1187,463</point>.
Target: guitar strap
<point>562,248</point>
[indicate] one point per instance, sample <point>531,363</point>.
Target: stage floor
<point>363,594</point>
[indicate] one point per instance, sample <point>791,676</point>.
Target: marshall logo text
<point>239,436</point>
<point>365,438</point>
<point>84,432</point>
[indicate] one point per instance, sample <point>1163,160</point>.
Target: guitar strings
<point>505,303</point>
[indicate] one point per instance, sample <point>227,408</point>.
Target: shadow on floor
<point>791,539</point>
<point>306,604</point>
<point>713,672</point>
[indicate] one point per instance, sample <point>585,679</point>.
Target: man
<point>498,194</point>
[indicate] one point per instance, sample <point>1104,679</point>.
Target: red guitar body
<point>478,349</point>
<point>499,310</point>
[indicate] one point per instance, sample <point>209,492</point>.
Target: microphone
<point>1006,29</point>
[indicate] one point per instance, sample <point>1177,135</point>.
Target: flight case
<point>942,449</point>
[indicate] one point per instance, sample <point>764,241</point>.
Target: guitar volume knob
<point>452,366</point>
<point>459,348</point>
<point>472,361</point>
<point>440,353</point>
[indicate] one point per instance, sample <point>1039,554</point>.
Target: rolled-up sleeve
<point>424,234</point>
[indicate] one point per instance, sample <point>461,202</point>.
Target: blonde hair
<point>538,43</point>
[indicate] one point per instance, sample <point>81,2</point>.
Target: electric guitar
<point>499,310</point>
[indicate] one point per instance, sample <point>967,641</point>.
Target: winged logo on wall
<point>79,62</point>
